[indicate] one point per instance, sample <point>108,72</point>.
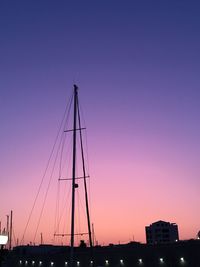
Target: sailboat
<point>77,128</point>
<point>77,137</point>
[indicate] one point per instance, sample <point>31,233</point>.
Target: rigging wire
<point>47,166</point>
<point>50,179</point>
<point>79,203</point>
<point>14,237</point>
<point>51,176</point>
<point>61,215</point>
<point>64,200</point>
<point>58,150</point>
<point>85,183</point>
<point>78,215</point>
<point>57,209</point>
<point>87,156</point>
<point>86,139</point>
<point>67,210</point>
<point>58,188</point>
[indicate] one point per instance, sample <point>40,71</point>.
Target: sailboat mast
<point>85,184</point>
<point>11,225</point>
<point>73,176</point>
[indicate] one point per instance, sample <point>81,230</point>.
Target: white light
<point>26,262</point>
<point>121,261</point>
<point>33,262</point>
<point>182,259</point>
<point>78,263</point>
<point>106,261</point>
<point>20,262</point>
<point>176,240</point>
<point>3,239</point>
<point>161,260</point>
<point>52,263</point>
<point>66,263</point>
<point>40,262</point>
<point>91,262</point>
<point>140,260</point>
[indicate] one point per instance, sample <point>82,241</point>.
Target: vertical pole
<point>73,177</point>
<point>7,229</point>
<point>41,239</point>
<point>10,239</point>
<point>93,234</point>
<point>0,227</point>
<point>85,184</point>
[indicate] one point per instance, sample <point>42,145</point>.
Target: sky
<point>137,67</point>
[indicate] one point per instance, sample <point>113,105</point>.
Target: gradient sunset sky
<point>137,65</point>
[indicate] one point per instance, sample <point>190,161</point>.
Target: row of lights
<point>140,261</point>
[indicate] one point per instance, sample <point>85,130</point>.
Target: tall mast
<point>85,184</point>
<point>77,127</point>
<point>73,176</point>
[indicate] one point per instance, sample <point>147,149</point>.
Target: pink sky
<point>137,66</point>
<point>133,183</point>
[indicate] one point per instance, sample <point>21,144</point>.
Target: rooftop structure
<point>161,232</point>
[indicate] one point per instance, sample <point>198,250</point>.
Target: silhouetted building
<point>161,232</point>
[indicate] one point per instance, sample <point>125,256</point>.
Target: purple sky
<point>137,65</point>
